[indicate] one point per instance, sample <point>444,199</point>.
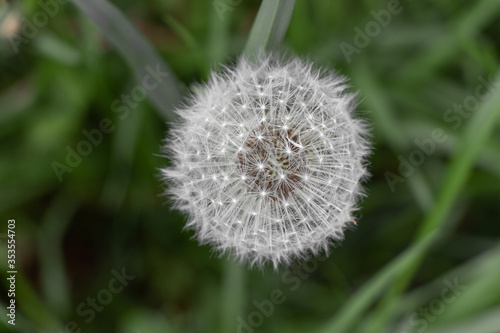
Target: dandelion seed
<point>291,179</point>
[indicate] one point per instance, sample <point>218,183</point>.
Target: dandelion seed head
<point>292,160</point>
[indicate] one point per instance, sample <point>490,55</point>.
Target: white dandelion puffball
<point>267,160</point>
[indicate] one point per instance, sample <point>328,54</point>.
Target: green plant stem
<point>232,295</point>
<point>267,31</point>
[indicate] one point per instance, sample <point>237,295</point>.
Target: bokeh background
<point>425,256</point>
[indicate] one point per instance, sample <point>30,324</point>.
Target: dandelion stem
<point>233,295</point>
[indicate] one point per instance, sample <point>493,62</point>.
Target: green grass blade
<point>468,273</point>
<point>446,46</point>
<point>125,141</point>
<point>487,322</point>
<point>354,309</point>
<point>476,134</point>
<point>137,51</point>
<point>218,38</point>
<point>482,293</point>
<point>270,25</point>
<point>51,46</point>
<point>190,41</point>
<point>54,280</point>
<point>480,127</point>
<point>474,138</point>
<point>388,128</point>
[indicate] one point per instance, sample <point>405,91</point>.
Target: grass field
<point>98,247</point>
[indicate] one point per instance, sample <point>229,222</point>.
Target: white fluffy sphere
<point>267,160</point>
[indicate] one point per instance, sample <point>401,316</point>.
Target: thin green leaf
<point>54,280</point>
<point>190,42</point>
<point>487,322</point>
<point>476,134</point>
<point>480,127</point>
<point>469,273</point>
<point>389,129</point>
<point>233,294</point>
<point>118,180</point>
<point>137,51</point>
<point>354,309</point>
<point>446,46</point>
<point>270,25</point>
<point>51,46</point>
<point>217,40</point>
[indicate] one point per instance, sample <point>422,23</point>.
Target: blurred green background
<point>425,256</point>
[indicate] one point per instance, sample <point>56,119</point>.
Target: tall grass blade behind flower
<point>270,26</point>
<point>479,128</point>
<point>137,51</point>
<point>477,132</point>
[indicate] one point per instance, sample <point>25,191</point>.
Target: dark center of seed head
<point>272,162</point>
